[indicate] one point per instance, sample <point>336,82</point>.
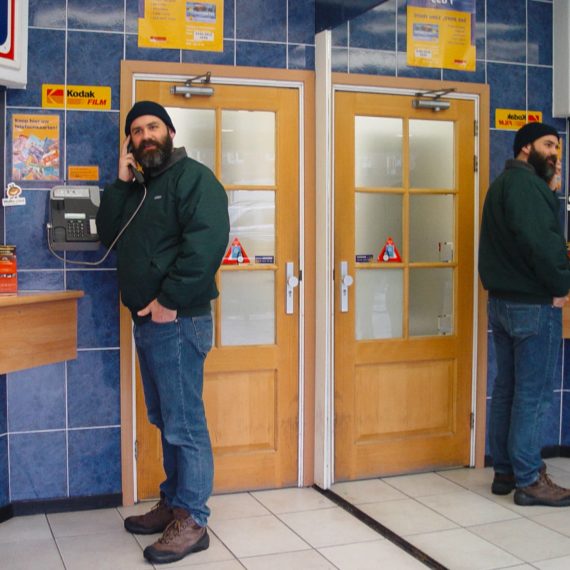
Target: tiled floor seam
<point>376,526</point>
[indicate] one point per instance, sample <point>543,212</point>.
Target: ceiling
<point>332,13</point>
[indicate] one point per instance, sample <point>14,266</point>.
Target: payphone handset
<point>73,210</point>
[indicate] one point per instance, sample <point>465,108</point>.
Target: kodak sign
<point>92,98</point>
<point>513,119</point>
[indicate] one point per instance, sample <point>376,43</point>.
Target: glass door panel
<point>248,308</point>
<point>431,301</point>
<point>378,152</point>
<point>378,216</point>
<point>431,154</point>
<point>431,227</point>
<point>252,220</point>
<point>196,131</point>
<point>379,303</point>
<point>248,147</point>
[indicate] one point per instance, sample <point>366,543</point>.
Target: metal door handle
<point>292,282</point>
<point>346,281</point>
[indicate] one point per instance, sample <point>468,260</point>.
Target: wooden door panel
<point>402,404</point>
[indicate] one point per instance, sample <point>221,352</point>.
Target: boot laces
<point>160,505</point>
<point>173,530</point>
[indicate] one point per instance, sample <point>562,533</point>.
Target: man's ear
<point>172,133</point>
<point>525,150</point>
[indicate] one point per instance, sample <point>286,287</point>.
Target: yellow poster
<point>76,97</point>
<point>514,119</point>
<point>441,33</point>
<point>182,24</point>
<point>35,147</point>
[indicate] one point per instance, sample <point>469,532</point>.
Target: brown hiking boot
<point>156,520</point>
<point>504,483</point>
<point>181,537</point>
<point>543,492</point>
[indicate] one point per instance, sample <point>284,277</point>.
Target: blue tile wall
<point>62,421</point>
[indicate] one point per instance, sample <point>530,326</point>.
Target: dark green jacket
<point>522,251</point>
<point>173,248</point>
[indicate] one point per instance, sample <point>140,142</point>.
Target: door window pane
<point>379,303</point>
<point>196,131</point>
<point>431,302</point>
<point>248,307</point>
<point>431,227</point>
<point>431,154</point>
<point>378,217</point>
<point>252,221</point>
<point>248,147</point>
<point>378,152</point>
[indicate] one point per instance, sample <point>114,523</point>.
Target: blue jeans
<point>171,359</point>
<point>527,341</point>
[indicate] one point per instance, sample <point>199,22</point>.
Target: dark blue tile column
<point>4,489</point>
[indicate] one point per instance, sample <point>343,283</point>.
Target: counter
<point>37,328</point>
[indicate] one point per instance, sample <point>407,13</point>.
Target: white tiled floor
<point>450,515</point>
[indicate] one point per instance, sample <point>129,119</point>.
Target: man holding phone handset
<point>167,259</point>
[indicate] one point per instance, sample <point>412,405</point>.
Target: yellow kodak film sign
<point>514,119</point>
<point>83,173</point>
<point>76,97</point>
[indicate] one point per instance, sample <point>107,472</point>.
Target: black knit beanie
<point>147,108</point>
<point>529,133</point>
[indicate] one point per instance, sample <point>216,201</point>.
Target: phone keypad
<point>76,230</point>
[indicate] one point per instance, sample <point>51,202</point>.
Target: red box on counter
<point>8,269</point>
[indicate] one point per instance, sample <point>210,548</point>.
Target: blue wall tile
<point>501,143</point>
<point>46,14</point>
<point>93,140</point>
<point>480,30</point>
<point>477,76</point>
<point>93,389</point>
<point>46,66</point>
<point>506,31</point>
<point>256,54</point>
<point>508,87</point>
<point>225,57</point>
<point>372,62</point>
<point>539,42</point>
<point>339,60</point>
<point>133,51</point>
<point>94,461</point>
<point>4,479</point>
<point>261,20</point>
<point>301,21</point>
<point>106,50</point>
<point>38,466</point>
<point>36,398</point>
<point>98,317</point>
<point>375,29</point>
<point>405,70</point>
<point>26,229</point>
<point>540,95</point>
<point>132,16</point>
<point>104,15</point>
<point>301,57</point>
<point>40,280</point>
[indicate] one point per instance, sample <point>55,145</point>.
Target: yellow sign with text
<point>182,24</point>
<point>83,173</point>
<point>93,98</point>
<point>439,38</point>
<point>514,119</point>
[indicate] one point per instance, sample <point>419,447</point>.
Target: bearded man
<point>523,263</point>
<point>177,229</point>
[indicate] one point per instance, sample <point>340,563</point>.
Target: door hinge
<point>475,163</point>
<point>300,275</point>
<point>476,127</point>
<point>472,420</point>
<point>136,449</point>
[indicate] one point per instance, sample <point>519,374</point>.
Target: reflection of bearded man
<point>154,154</point>
<point>544,164</point>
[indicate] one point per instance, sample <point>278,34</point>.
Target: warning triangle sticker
<point>235,254</point>
<point>389,252</point>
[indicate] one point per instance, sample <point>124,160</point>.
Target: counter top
<point>38,328</point>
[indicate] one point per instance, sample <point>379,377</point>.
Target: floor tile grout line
<point>388,534</point>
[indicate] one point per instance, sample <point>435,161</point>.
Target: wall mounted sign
<point>90,97</point>
<point>441,33</point>
<point>13,43</point>
<point>514,119</point>
<point>182,24</point>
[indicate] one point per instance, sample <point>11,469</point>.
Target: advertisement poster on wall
<point>441,33</point>
<point>182,24</point>
<point>35,147</point>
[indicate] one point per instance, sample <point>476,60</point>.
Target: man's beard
<point>156,158</point>
<point>545,166</point>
